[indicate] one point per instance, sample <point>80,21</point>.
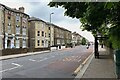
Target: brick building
<point>14,30</point>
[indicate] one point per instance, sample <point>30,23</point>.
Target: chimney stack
<point>21,9</point>
<point>14,8</point>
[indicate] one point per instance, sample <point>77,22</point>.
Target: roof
<point>36,19</point>
<point>75,33</point>
<point>57,26</point>
<point>17,11</point>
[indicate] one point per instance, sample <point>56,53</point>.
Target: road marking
<point>86,60</point>
<point>43,59</point>
<point>32,60</point>
<point>52,56</point>
<point>79,60</point>
<point>73,56</point>
<point>77,70</point>
<point>17,66</point>
<point>79,57</point>
<point>40,57</point>
<point>63,60</point>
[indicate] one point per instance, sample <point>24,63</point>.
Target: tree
<point>83,42</point>
<point>91,15</point>
<point>94,16</point>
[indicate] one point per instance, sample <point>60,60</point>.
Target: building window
<point>49,34</point>
<point>17,43</point>
<point>58,41</point>
<point>9,28</point>
<point>24,20</point>
<point>38,42</point>
<point>38,33</point>
<point>49,28</point>
<point>42,25</point>
<point>63,41</point>
<point>49,43</point>
<point>43,33</point>
<point>24,30</point>
<point>17,29</point>
<point>17,18</point>
<point>52,42</point>
<point>24,43</point>
<point>9,17</point>
<point>42,42</point>
<point>8,44</point>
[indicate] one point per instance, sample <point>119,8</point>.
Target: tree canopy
<point>94,16</point>
<point>83,42</point>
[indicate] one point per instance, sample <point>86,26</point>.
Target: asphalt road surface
<point>56,64</point>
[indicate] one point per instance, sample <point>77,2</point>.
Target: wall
<point>1,28</point>
<point>13,51</point>
<point>52,35</point>
<point>31,34</point>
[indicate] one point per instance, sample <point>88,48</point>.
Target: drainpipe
<point>4,30</point>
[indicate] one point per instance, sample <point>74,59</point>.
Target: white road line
<point>52,56</point>
<point>8,69</point>
<point>46,58</point>
<point>32,60</point>
<point>17,66</point>
<point>79,60</point>
<point>63,60</point>
<point>79,57</point>
<point>42,59</point>
<point>73,56</point>
<point>56,54</point>
<point>39,60</point>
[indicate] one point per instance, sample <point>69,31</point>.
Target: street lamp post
<point>50,16</point>
<point>50,29</point>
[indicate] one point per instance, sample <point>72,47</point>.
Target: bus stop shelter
<point>96,52</point>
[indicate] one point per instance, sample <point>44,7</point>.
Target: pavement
<point>22,55</point>
<point>102,68</point>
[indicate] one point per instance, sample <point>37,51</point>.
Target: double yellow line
<point>81,65</point>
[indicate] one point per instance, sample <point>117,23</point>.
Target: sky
<point>39,9</point>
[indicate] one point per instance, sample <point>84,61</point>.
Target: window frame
<point>42,33</point>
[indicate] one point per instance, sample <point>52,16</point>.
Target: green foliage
<point>108,43</point>
<point>95,16</point>
<point>83,42</point>
<point>72,9</point>
<point>115,37</point>
<point>91,15</point>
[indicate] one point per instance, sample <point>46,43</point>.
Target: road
<point>56,64</point>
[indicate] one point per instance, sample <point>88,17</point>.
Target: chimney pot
<point>21,9</point>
